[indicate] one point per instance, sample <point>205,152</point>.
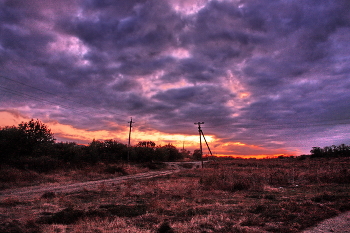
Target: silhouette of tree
<point>331,151</point>
<point>197,154</point>
<point>148,144</point>
<point>28,139</point>
<point>36,131</point>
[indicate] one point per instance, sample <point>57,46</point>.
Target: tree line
<point>32,145</point>
<point>330,151</point>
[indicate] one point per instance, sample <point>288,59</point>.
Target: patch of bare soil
<point>339,224</point>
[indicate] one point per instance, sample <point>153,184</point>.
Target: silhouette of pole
<point>206,143</point>
<point>130,124</point>
<point>200,139</point>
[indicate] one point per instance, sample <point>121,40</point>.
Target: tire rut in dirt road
<point>28,192</point>
<point>338,224</point>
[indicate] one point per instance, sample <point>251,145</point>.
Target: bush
<point>125,210</point>
<point>31,138</point>
<point>14,175</point>
<point>18,227</point>
<point>39,164</point>
<point>112,169</point>
<point>155,166</point>
<point>66,216</point>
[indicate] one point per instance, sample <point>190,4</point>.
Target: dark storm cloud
<point>282,44</point>
<point>201,95</point>
<point>252,70</point>
<point>151,26</point>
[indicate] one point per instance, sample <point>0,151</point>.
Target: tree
<point>69,152</point>
<point>144,151</point>
<point>172,153</point>
<point>330,151</point>
<point>197,155</point>
<point>10,143</point>
<point>185,153</point>
<point>28,139</point>
<point>38,137</point>
<point>316,152</point>
<point>36,132</point>
<point>148,144</point>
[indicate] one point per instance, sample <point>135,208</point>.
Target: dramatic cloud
<point>266,77</point>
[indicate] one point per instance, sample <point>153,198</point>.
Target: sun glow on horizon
<point>69,133</point>
<point>261,156</point>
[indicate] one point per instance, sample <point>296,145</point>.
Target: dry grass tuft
<point>96,225</point>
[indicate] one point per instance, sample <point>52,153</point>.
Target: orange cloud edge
<point>68,133</point>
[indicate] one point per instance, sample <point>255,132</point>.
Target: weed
<point>10,176</point>
<point>11,202</point>
<point>125,210</point>
<point>165,228</point>
<point>112,169</point>
<point>252,220</point>
<point>155,166</point>
<point>66,216</point>
<point>325,197</point>
<point>48,195</point>
<point>12,227</point>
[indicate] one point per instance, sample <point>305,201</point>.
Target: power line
<point>47,101</point>
<point>47,92</point>
<point>297,124</point>
<point>38,98</point>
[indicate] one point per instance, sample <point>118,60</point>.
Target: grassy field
<point>270,195</point>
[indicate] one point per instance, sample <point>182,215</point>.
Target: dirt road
<point>29,192</point>
<point>338,224</point>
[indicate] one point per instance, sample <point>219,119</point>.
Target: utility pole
<point>200,131</point>
<point>130,124</point>
<point>200,139</point>
<point>206,143</point>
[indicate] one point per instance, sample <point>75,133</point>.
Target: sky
<point>267,78</point>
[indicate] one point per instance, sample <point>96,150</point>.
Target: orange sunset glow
<point>266,78</point>
<point>67,133</point>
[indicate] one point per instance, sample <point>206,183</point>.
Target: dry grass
<point>280,195</point>
<point>13,178</point>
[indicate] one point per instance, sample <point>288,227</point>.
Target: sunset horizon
<point>68,134</point>
<point>266,78</point>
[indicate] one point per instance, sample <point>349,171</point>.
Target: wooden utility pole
<point>206,143</point>
<point>130,124</point>
<point>200,131</point>
<point>200,139</point>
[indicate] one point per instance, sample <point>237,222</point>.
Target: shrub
<point>165,228</point>
<point>18,227</point>
<point>125,210</point>
<point>39,164</point>
<point>48,195</point>
<point>112,169</point>
<point>14,175</point>
<point>155,166</point>
<point>66,216</point>
<point>29,138</point>
<point>325,197</point>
